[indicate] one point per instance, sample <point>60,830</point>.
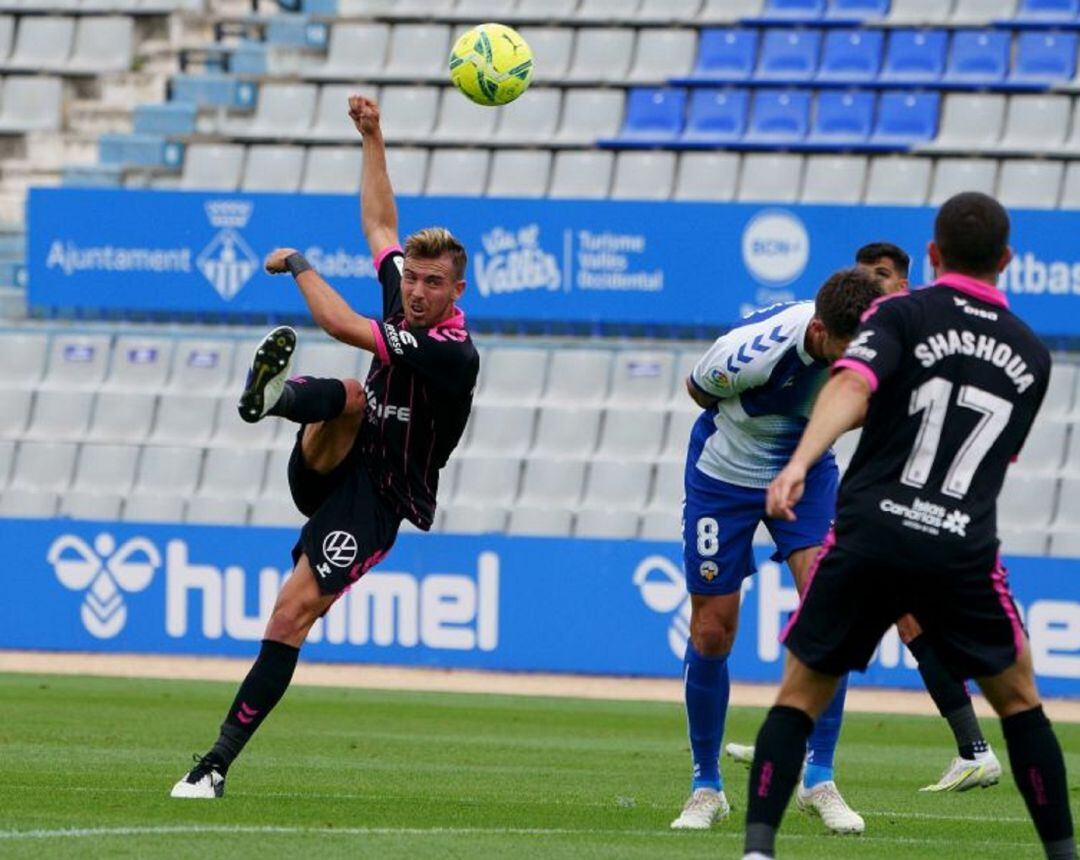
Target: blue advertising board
<point>479,602</point>
<point>621,262</point>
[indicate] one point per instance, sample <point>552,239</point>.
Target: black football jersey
<point>419,394</point>
<point>958,380</point>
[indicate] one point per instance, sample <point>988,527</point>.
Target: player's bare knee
<point>908,628</point>
<point>712,636</point>
<point>289,623</point>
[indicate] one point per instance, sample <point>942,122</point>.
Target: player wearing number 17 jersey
<point>947,382</point>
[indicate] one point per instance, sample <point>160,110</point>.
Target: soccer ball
<point>491,64</point>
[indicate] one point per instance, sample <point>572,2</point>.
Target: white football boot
<point>268,374</point>
<point>742,753</point>
<point>705,806</point>
<point>203,782</point>
<point>963,774</point>
<point>825,801</point>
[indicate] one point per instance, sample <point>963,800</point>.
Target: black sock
<point>309,400</point>
<point>778,757</point>
<point>263,688</point>
<point>951,698</point>
<point>1039,770</point>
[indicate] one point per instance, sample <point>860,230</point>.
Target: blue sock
<point>707,688</point>
<point>821,746</point>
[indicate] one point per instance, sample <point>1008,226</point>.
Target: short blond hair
<point>433,242</point>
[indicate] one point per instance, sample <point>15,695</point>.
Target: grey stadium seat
<point>77,361</point>
<point>768,178</point>
<point>232,472</point>
<point>899,181</point>
<point>662,524</point>
<point>641,378</point>
<point>711,176</point>
<point>566,431</point>
<point>15,404</point>
<point>599,11</point>
<point>487,480</point>
<point>550,10</point>
<point>332,170</point>
<point>844,449</point>
<point>458,172</point>
<point>919,12</point>
<point>951,176</point>
<point>354,52</point>
<point>668,11</point>
<point>729,11</point>
<point>273,168</point>
<point>152,508</point>
<point>552,483</point>
<point>122,416</point>
<point>22,359</point>
<point>463,121</point>
<point>1044,448</point>
<point>663,54</point>
<point>527,521</point>
<point>602,522</point>
<point>215,510</point>
<point>473,519</point>
<point>7,37</point>
<point>103,44</point>
<point>1059,395</point>
<point>519,173</point>
<point>140,363</point>
<point>45,466</point>
<point>834,179</point>
<point>42,43</point>
<point>982,12</point>
<point>408,113</point>
<point>31,104</point>
<point>416,51</point>
<point>581,174</point>
<point>276,475</point>
<point>1070,189</point>
<point>106,468</point>
<point>231,430</point>
<point>552,49</point>
<point>578,376</point>
<point>60,414</point>
<point>212,166</point>
<point>408,167</point>
<point>169,470</point>
<point>31,504</point>
<point>631,433</point>
<point>533,120</point>
<point>590,114</point>
<point>283,111</point>
<point>1068,513</point>
<point>1026,501</point>
<point>1036,123</point>
<point>184,419</point>
<point>1023,541</point>
<point>602,54</point>
<point>513,375</point>
<point>680,422</point>
<point>276,512</point>
<point>7,458</point>
<point>617,486</point>
<point>1030,184</point>
<point>202,365</point>
<point>326,358</point>
<point>483,10</point>
<point>643,175</point>
<point>501,430</point>
<point>81,505</point>
<point>668,487</point>
<point>331,120</point>
<point>971,121</point>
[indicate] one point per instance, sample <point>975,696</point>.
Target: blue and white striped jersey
<point>766,383</point>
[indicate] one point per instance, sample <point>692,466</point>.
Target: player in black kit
<point>366,457</point>
<point>946,382</point>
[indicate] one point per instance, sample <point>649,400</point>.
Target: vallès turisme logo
<point>515,261</point>
<point>228,262</point>
<point>775,247</point>
<point>105,571</point>
<point>663,589</point>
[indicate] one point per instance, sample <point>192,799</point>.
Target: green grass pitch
<point>87,765</point>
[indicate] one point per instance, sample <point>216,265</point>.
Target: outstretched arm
<point>378,211</point>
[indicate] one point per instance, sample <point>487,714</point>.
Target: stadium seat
<point>502,431</point>
<point>1068,509</point>
<point>951,176</point>
<point>79,505</point>
<point>661,525</point>
<point>467,519</point>
<point>1047,11</point>
<point>566,431</point>
<point>1059,395</point>
<point>1044,448</point>
<point>793,10</point>
<point>153,508</point>
<point>1070,190</point>
<point>230,430</point>
<point>716,116</point>
<point>844,449</point>
<point>212,167</point>
<point>918,13</point>
<point>668,11</point>
<point>589,115</point>
<point>602,522</point>
<point>1022,541</point>
<point>834,179</point>
<point>273,168</point>
<point>408,167</point>
<point>728,54</point>
<point>788,55</point>
<point>202,365</point>
<point>140,363</point>
<point>169,470</point>
<point>1036,123</point>
<point>14,411</point>
<point>641,378</point>
<point>707,176</point>
<point>617,485</point>
<point>842,118</point>
<point>336,170</point>
<point>602,54</point>
<point>581,174</point>
<point>106,469</point>
<point>654,114</point>
<point>978,57</point>
<point>7,458</point>
<point>729,11</point>
<point>458,172</point>
<point>102,44</point>
<point>519,173</point>
<point>60,415</point>
<point>668,486</point>
<point>483,10</point>
<point>416,52</point>
<point>31,104</point>
<point>555,45</point>
<point>770,178</point>
<point>7,37</point>
<point>1030,184</point>
<point>122,416</point>
<point>898,181</point>
<point>45,466</point>
<point>601,11</point>
<point>1044,58</point>
<point>851,56</point>
<point>276,475</point>
<point>528,521</point>
<point>331,118</point>
<point>242,354</point>
<point>981,12</point>
<point>906,118</point>
<point>857,10</point>
<point>22,359</point>
<point>279,512</point>
<point>550,10</point>
<point>550,483</point>
<point>354,52</point>
<point>578,376</point>
<point>487,480</point>
<point>681,421</point>
<point>409,112</point>
<point>1065,544</point>
<point>325,358</point>
<point>513,376</point>
<point>216,511</point>
<point>531,120</point>
<point>970,121</point>
<point>914,57</point>
<point>27,503</point>
<point>779,116</point>
<point>1027,501</point>
<point>663,54</point>
<point>77,361</point>
<point>463,121</point>
<point>631,433</point>
<point>643,175</point>
<point>283,111</point>
<point>232,472</point>
<point>184,419</point>
<point>42,43</point>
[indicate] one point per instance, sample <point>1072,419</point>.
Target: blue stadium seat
<point>851,56</point>
<point>978,57</point>
<point>716,116</point>
<point>779,116</point>
<point>905,118</point>
<point>789,55</point>
<point>842,118</point>
<point>1047,11</point>
<point>914,56</point>
<point>857,10</point>
<point>1044,58</point>
<point>654,113</point>
<point>727,54</point>
<point>794,10</point>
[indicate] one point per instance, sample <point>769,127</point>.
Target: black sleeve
<point>878,345</point>
<point>389,274</point>
<point>446,356</point>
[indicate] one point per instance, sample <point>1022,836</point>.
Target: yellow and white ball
<point>491,64</point>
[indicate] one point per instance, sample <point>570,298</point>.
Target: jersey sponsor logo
<point>973,311</point>
<point>376,410</point>
<point>718,378</point>
<point>104,571</point>
<point>775,247</point>
<point>998,353</point>
<point>398,339</point>
<point>858,348</point>
<point>928,517</point>
<point>709,570</point>
<point>340,548</point>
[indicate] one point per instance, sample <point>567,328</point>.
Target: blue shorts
<point>719,521</point>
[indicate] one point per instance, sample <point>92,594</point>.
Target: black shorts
<point>967,613</point>
<point>349,528</point>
